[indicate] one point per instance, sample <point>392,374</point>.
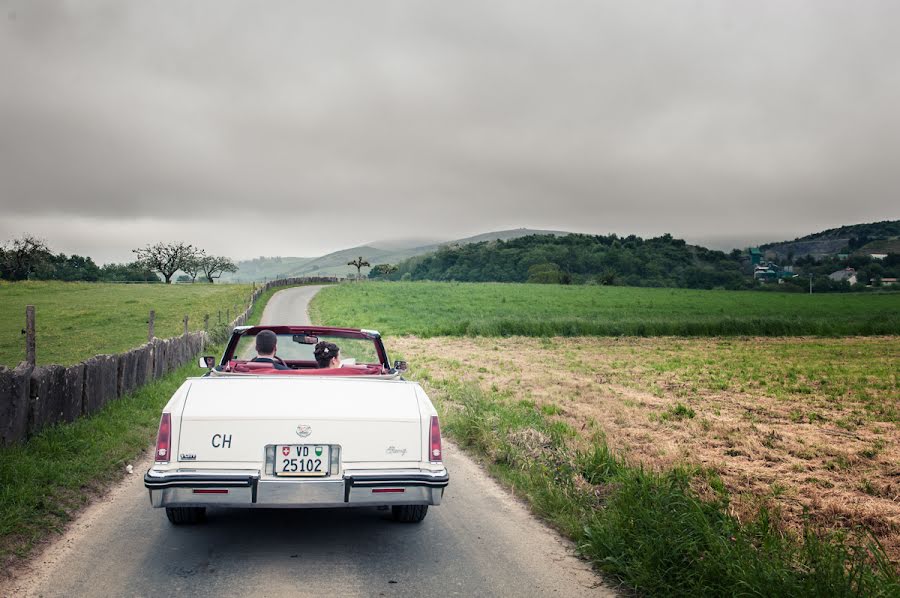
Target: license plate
<point>306,460</point>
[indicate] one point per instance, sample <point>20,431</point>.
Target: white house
<point>848,274</point>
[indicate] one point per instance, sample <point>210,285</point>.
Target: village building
<point>885,282</point>
<point>848,274</point>
<point>770,271</point>
<point>756,256</point>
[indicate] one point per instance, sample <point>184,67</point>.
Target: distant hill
<point>265,268</point>
<point>881,246</point>
<point>506,235</point>
<point>407,243</point>
<point>335,263</point>
<point>873,230</point>
<point>580,259</point>
<point>875,237</point>
<point>850,238</point>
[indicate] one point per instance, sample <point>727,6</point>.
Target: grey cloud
<point>372,120</point>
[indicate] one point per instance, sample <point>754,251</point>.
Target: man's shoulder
<point>276,365</point>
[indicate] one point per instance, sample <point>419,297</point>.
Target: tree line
<point>576,259</point>
<point>612,260</point>
<point>30,258</point>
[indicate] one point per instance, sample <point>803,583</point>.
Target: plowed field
<point>805,426</point>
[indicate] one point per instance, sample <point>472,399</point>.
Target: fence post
<point>30,345</point>
<point>152,322</point>
<point>185,325</point>
<point>206,323</point>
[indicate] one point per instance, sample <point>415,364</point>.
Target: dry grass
<point>801,425</point>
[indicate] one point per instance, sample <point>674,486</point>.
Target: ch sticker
<point>221,440</point>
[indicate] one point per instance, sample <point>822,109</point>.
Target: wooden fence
<point>32,398</point>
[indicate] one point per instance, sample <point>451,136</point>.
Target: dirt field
<point>797,424</point>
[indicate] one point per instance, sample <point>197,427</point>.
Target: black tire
<point>186,515</point>
<point>409,513</point>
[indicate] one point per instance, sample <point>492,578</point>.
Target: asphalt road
<point>479,542</point>
<point>289,306</point>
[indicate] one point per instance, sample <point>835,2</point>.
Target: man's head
<point>265,343</point>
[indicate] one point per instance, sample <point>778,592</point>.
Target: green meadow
<point>47,480</point>
<point>78,320</point>
<point>506,309</point>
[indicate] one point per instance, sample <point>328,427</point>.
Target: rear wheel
<point>186,515</point>
<point>409,513</point>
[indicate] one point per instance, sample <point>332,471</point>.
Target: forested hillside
<point>659,262</point>
<point>871,236</point>
<point>872,230</point>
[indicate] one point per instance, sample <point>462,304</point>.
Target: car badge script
<point>303,430</point>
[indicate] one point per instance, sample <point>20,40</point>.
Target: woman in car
<point>328,355</point>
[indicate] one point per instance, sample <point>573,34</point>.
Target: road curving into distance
<point>479,542</point>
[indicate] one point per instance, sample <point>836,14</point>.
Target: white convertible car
<point>249,435</point>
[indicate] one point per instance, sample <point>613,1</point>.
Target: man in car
<point>265,350</point>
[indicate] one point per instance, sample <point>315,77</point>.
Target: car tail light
<point>435,454</point>
<point>163,438</point>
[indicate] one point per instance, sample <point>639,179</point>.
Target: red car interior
<point>252,367</point>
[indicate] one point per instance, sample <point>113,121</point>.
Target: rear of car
<point>297,442</point>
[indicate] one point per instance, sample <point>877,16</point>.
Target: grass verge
<point>47,480</point>
<point>653,531</point>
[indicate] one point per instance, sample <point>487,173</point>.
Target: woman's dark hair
<point>325,352</point>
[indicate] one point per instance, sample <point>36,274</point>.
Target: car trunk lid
<point>234,419</point>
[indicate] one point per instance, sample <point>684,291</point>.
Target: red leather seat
<point>251,366</point>
<point>254,367</point>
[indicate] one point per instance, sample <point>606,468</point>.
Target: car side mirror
<point>207,362</point>
<point>401,366</point>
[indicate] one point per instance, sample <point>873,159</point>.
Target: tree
<point>545,273</point>
<point>382,270</point>
<point>360,263</point>
<point>20,257</point>
<point>213,266</point>
<point>68,268</point>
<point>165,258</point>
<point>193,265</point>
<point>133,272</point>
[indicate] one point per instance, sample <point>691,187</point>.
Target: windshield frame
<point>352,333</point>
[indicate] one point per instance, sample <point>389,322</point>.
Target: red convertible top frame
<point>311,330</point>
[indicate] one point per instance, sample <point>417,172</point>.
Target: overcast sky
<point>297,128</point>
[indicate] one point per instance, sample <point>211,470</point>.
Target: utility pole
<point>810,283</point>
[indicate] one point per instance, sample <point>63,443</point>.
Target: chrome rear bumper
<point>249,489</point>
